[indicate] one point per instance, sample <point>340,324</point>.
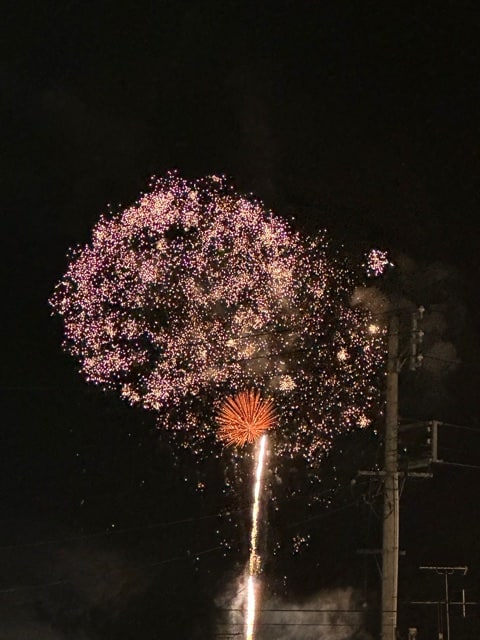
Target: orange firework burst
<point>244,417</point>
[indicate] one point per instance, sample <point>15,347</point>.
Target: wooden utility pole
<point>391,521</point>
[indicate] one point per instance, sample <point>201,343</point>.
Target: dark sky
<point>358,117</point>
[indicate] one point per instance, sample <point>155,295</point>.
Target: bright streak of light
<point>254,559</point>
<point>250,607</point>
<point>254,562</point>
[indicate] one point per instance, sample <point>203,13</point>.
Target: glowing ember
<point>244,417</point>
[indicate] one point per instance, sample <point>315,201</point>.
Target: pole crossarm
<point>449,570</point>
<point>461,603</point>
<point>401,474</point>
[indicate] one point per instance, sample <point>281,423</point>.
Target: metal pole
<point>447,608</point>
<point>391,493</point>
<point>446,571</point>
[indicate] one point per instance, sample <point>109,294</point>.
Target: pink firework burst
<point>196,291</point>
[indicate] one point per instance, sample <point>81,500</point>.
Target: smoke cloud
<point>336,614</point>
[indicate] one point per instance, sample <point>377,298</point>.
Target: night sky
<point>356,117</point>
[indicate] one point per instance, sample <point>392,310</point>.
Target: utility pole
<point>391,521</point>
<point>447,571</point>
<point>390,473</point>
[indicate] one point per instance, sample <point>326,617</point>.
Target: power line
<point>169,523</point>
<point>189,555</point>
<point>99,534</point>
<point>34,587</point>
<point>112,532</point>
<point>315,610</point>
<point>293,624</point>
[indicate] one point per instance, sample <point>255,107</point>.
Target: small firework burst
<point>244,417</point>
<point>377,262</point>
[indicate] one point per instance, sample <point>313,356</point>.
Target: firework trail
<point>254,564</point>
<point>195,293</point>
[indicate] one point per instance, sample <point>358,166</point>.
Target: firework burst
<point>245,417</point>
<point>195,293</point>
<point>377,262</point>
